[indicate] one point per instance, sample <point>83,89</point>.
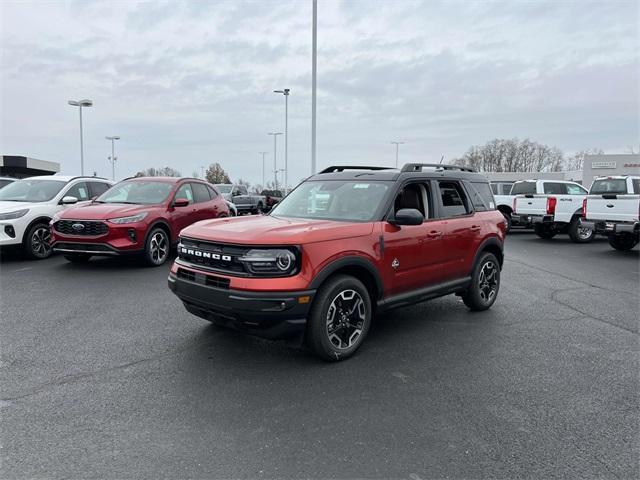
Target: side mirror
<point>181,202</point>
<point>408,216</point>
<point>68,200</point>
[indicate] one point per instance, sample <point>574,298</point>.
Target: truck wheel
<point>544,231</point>
<point>507,218</point>
<point>258,210</point>
<point>578,233</point>
<point>485,283</point>
<point>36,244</point>
<point>156,248</point>
<point>623,241</point>
<point>339,319</point>
<point>78,257</point>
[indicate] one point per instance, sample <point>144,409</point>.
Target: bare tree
<point>576,161</point>
<point>159,172</point>
<point>216,174</point>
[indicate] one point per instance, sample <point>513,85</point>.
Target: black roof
<point>409,170</point>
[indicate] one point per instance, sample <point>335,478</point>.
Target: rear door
<point>461,228</point>
<point>413,253</point>
<point>205,207</point>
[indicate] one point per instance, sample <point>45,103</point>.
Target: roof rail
<point>417,167</point>
<point>342,168</point>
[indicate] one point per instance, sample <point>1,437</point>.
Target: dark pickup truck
<point>272,197</point>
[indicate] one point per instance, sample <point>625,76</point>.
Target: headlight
<point>12,215</point>
<point>278,261</point>
<point>132,219</point>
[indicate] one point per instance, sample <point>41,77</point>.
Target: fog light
<point>132,235</point>
<point>8,229</point>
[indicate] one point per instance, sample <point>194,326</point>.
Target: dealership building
<point>22,167</point>
<point>609,165</point>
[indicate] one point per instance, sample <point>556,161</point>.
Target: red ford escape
<point>345,244</point>
<point>139,215</point>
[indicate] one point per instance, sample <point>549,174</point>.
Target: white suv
<point>27,206</point>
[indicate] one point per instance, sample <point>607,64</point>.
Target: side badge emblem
<point>395,264</point>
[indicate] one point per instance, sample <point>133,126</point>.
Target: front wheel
<point>340,318</point>
<point>36,244</point>
<point>578,233</point>
<point>544,231</point>
<point>623,241</point>
<point>485,283</point>
<point>156,249</point>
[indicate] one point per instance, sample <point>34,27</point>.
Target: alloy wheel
<point>345,319</point>
<point>40,242</point>
<point>158,247</point>
<point>584,233</point>
<point>488,281</point>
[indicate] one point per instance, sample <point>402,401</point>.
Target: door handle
<point>475,227</point>
<point>434,234</point>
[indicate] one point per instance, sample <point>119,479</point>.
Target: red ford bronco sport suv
<point>344,244</point>
<point>142,215</point>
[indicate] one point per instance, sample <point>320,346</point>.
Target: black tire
<point>156,247</point>
<point>330,333</point>
<point>623,241</point>
<point>544,231</point>
<point>258,210</point>
<point>36,244</point>
<point>485,283</point>
<point>507,218</point>
<point>579,234</point>
<point>78,257</point>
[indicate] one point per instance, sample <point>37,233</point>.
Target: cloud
<point>189,83</point>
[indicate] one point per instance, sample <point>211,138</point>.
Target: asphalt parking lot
<point>104,374</point>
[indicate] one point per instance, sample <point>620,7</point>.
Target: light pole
<point>314,56</point>
<point>80,104</point>
<point>276,176</point>
<point>113,157</point>
<point>275,164</point>
<point>397,144</point>
<point>285,92</point>
<point>202,170</point>
<point>263,178</point>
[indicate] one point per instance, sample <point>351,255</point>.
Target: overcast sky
<point>186,84</point>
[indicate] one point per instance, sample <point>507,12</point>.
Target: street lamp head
<point>73,103</point>
<point>274,133</point>
<point>86,103</point>
<point>285,91</point>
<point>113,138</point>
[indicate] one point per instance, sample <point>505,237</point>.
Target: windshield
<point>609,185</point>
<point>333,200</point>
<point>29,190</point>
<point>224,188</point>
<point>138,192</point>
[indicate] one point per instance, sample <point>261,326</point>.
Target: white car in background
<point>28,205</point>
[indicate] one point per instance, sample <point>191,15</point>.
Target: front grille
<point>208,280</point>
<point>81,227</point>
<point>93,247</point>
<point>217,256</point>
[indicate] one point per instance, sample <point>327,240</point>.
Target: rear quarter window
<point>482,196</point>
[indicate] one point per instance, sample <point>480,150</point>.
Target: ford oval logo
<point>78,227</point>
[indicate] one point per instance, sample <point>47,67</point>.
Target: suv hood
<point>271,230</point>
<point>13,206</point>
<point>103,211</point>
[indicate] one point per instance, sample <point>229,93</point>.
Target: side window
<point>212,192</point>
<point>555,188</point>
<point>481,196</point>
<point>636,185</point>
<point>185,192</point>
<point>452,199</point>
<point>98,188</point>
<point>416,196</point>
<point>575,189</point>
<point>79,190</point>
<point>494,188</point>
<point>200,192</point>
<point>506,188</point>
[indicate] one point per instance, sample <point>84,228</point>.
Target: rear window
<point>636,185</point>
<point>555,188</point>
<point>523,188</point>
<point>609,185</point>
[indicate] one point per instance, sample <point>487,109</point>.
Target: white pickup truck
<point>504,197</point>
<point>552,207</point>
<point>613,209</point>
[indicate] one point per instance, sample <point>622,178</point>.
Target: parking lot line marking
<point>22,269</point>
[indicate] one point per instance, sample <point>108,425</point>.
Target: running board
<point>416,296</point>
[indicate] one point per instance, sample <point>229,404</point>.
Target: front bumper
<point>11,232</point>
<point>607,227</point>
<point>119,240</point>
<point>274,315</point>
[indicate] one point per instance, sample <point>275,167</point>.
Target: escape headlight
<point>12,215</point>
<point>131,219</point>
<point>276,261</point>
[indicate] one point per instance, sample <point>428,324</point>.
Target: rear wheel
<point>507,218</point>
<point>485,283</point>
<point>578,233</point>
<point>36,242</point>
<point>544,230</point>
<point>340,318</point>
<point>156,249</point>
<point>623,241</point>
<point>78,257</point>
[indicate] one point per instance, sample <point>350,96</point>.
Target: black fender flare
<point>42,219</point>
<point>349,261</point>
<point>491,241</point>
<point>154,225</point>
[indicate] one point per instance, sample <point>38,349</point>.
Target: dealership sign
<point>603,164</point>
